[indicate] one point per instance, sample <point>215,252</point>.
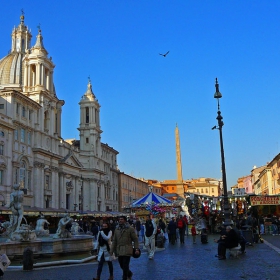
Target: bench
<point>234,251</point>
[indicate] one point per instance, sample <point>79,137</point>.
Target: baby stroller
<point>204,236</point>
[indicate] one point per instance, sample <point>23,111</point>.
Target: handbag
<point>134,254</point>
<point>4,263</point>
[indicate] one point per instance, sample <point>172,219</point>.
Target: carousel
<point>155,205</point>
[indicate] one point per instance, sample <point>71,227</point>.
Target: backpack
<point>149,228</point>
<point>180,224</point>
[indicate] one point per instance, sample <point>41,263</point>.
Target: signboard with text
<point>265,200</point>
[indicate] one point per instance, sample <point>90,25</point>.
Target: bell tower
<point>90,131</point>
<point>21,37</point>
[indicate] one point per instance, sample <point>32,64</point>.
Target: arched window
<point>87,115</point>
<point>22,174</point>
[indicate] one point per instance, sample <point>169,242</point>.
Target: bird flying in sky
<point>164,54</point>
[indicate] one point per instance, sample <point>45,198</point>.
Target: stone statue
<point>39,230</point>
<point>62,232</point>
<point>76,229</point>
<point>16,199</point>
<point>15,230</point>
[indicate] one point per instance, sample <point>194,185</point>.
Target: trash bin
<point>160,241</point>
<point>28,260</point>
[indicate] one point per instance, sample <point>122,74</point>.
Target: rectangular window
<point>29,138</point>
<point>1,149</point>
<point>212,190</point>
<point>87,140</point>
<point>29,180</point>
<point>47,182</point>
<point>201,190</point>
<point>16,134</point>
<point>22,135</point>
<point>17,108</point>
<point>22,176</point>
<point>1,177</point>
<point>23,111</point>
<point>30,115</point>
<point>16,176</point>
<point>67,200</point>
<point>1,106</point>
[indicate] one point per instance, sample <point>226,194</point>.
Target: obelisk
<point>180,186</point>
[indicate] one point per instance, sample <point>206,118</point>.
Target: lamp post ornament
<point>218,95</point>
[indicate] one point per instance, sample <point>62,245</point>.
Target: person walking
<point>150,231</point>
<point>193,231</point>
<point>103,245</point>
<point>187,224</point>
<point>122,246</point>
<point>172,226</point>
<point>138,227</point>
<point>181,224</point>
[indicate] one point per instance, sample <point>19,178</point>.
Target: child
<point>193,230</point>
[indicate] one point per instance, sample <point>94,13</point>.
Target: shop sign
<point>265,200</point>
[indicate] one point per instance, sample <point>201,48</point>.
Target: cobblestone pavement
<point>177,262</point>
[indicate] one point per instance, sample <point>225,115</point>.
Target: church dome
<point>11,70</point>
<point>11,66</point>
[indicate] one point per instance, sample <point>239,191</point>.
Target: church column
<point>37,75</point>
<point>77,187</point>
<point>52,120</point>
<point>59,110</point>
<point>26,41</point>
<point>29,76</point>
<point>90,115</point>
<point>42,187</point>
<point>91,195</point>
<point>42,116</point>
<point>55,189</point>
<point>37,181</point>
<point>94,115</point>
<point>25,77</point>
<point>51,81</point>
<point>62,191</point>
<point>86,195</point>
<point>81,115</point>
<point>42,74</point>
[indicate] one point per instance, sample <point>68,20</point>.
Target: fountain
<point>20,236</point>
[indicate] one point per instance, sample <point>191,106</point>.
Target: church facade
<point>54,173</point>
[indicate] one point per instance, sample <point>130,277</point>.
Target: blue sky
<point>143,95</point>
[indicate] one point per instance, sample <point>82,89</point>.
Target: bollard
<point>28,260</point>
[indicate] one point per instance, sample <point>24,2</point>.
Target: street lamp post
<point>218,95</point>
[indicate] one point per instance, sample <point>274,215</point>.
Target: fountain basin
<point>48,246</point>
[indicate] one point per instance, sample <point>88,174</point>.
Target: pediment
<point>72,160</point>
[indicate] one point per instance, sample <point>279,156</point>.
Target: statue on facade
<point>62,232</point>
<point>40,226</point>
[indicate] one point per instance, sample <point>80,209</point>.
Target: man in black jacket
<point>227,241</point>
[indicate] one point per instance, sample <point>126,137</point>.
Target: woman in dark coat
<point>172,226</point>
